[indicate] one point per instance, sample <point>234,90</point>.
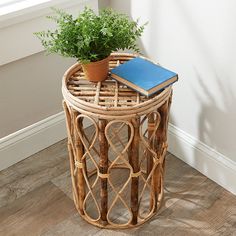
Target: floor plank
<point>180,179</point>
<point>36,212</point>
<point>73,226</point>
<point>33,172</point>
<point>63,182</point>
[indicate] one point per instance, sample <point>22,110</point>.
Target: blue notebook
<point>143,76</point>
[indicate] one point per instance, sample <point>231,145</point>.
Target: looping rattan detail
<point>79,165</point>
<point>103,176</point>
<point>128,135</point>
<point>135,175</point>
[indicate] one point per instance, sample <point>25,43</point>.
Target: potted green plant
<point>90,38</point>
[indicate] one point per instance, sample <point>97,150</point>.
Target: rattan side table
<point>117,164</point>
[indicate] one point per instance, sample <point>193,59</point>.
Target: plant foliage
<point>91,37</point>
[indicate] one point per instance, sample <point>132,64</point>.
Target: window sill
<point>17,26</point>
<point>20,12</point>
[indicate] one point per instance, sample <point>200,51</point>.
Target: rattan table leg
<point>71,153</point>
<point>151,126</point>
<point>103,166</point>
<point>161,138</point>
<point>79,152</point>
<point>134,162</point>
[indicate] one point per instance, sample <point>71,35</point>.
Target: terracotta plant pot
<point>96,71</point>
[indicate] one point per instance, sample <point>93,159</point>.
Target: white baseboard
<point>206,160</point>
<point>25,142</point>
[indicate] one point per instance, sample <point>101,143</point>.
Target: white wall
<point>30,81</point>
<point>30,90</point>
<point>196,39</point>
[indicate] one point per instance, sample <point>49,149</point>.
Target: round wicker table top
<point>108,99</point>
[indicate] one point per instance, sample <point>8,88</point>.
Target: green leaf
<point>90,37</point>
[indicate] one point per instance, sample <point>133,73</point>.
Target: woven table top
<point>107,98</point>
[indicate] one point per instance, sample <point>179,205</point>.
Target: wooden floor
<point>36,199</point>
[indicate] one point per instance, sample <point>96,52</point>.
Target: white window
<point>5,3</point>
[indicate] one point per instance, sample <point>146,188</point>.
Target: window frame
<point>16,28</point>
<point>28,9</point>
